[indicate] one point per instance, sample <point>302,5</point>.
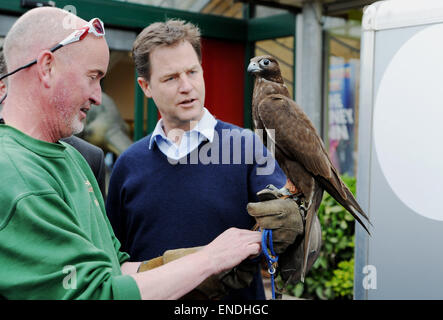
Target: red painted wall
<point>223,70</point>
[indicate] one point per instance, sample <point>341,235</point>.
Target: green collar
<point>43,148</point>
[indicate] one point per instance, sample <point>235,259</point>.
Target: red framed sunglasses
<point>94,26</point>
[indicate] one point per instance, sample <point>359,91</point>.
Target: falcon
<point>299,150</point>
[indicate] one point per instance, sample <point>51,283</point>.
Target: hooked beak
<point>253,67</point>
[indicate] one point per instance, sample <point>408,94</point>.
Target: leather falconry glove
<point>287,224</point>
<point>216,286</point>
<point>280,215</point>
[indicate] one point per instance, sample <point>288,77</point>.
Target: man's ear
<point>2,88</point>
<point>144,85</point>
<point>45,67</point>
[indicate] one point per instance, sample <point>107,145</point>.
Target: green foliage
<point>332,275</point>
<point>342,282</point>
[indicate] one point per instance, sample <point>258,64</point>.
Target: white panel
<point>408,123</point>
<point>401,13</point>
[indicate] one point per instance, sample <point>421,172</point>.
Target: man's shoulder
<point>93,155</point>
<point>14,157</point>
<point>226,125</point>
<point>222,125</point>
<point>137,148</point>
<point>229,130</point>
<point>136,152</point>
<point>83,146</point>
<point>21,175</point>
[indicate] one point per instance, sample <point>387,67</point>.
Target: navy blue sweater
<point>154,205</point>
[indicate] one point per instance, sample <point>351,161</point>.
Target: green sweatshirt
<point>55,239</point>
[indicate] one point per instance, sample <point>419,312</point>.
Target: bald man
<point>92,154</point>
<point>55,239</point>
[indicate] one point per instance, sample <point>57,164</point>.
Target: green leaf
<point>298,290</point>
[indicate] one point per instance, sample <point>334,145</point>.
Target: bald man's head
<point>38,29</point>
<point>60,86</point>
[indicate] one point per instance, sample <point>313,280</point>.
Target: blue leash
<point>271,259</point>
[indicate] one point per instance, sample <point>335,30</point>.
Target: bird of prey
<point>299,150</point>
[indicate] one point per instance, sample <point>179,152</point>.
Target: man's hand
<point>227,255</point>
<point>282,216</point>
<point>232,247</point>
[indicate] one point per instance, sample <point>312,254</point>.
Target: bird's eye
<point>265,62</point>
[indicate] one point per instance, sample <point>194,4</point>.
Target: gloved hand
<point>282,216</point>
<point>167,256</point>
<point>216,286</point>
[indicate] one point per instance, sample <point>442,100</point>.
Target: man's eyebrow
<point>167,75</point>
<point>173,74</point>
<point>195,66</point>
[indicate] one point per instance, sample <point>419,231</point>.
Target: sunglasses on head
<point>94,26</point>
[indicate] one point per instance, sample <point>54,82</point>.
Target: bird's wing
<point>297,138</point>
<point>295,135</point>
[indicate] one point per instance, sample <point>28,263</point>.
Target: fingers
<point>272,222</point>
<point>255,249</point>
<point>271,207</point>
<point>270,217</point>
<point>244,235</point>
<point>232,247</point>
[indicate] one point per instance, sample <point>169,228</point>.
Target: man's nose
<point>185,83</point>
<point>96,96</point>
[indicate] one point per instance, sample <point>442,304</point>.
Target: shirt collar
<point>205,127</point>
<point>158,132</point>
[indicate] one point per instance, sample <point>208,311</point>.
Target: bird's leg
<point>290,187</point>
<point>289,190</point>
<point>271,192</point>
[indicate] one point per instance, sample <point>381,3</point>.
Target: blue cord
<point>270,259</point>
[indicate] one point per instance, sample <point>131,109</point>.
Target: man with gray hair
<point>55,239</point>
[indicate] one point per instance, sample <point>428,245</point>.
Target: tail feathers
<point>310,217</point>
<point>350,204</point>
<point>308,227</point>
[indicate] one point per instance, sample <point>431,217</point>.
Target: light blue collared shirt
<point>204,130</point>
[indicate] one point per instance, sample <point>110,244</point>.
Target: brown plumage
<point>299,150</point>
